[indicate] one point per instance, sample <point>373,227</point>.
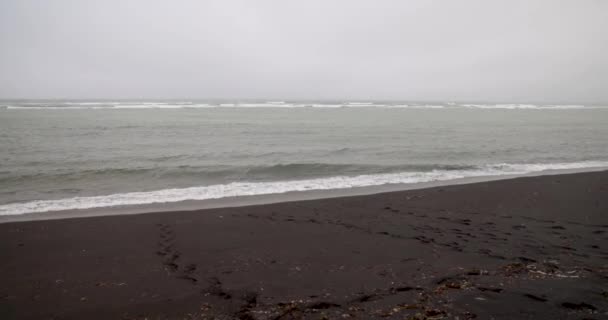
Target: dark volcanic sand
<point>527,248</point>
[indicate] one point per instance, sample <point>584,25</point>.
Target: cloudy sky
<point>509,51</point>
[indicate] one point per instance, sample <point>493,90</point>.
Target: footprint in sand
<point>171,258</point>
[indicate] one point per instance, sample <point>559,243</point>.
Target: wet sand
<point>525,248</point>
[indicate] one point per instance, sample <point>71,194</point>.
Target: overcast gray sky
<point>512,51</point>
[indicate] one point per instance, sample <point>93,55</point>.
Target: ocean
<point>63,155</point>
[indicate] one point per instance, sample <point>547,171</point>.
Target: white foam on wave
<point>282,104</point>
<point>106,106</point>
<point>275,104</point>
<point>570,106</point>
<point>527,106</point>
<point>363,104</point>
<point>161,106</point>
<point>81,103</point>
<point>236,189</point>
<point>427,107</point>
<point>318,105</point>
<point>278,104</point>
<point>10,107</point>
<point>413,106</point>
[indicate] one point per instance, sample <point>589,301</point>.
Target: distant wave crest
<point>274,104</point>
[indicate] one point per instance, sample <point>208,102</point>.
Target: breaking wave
<point>245,188</point>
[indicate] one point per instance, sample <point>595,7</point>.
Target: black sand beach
<point>525,248</point>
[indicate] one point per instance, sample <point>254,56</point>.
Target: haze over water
<point>69,155</point>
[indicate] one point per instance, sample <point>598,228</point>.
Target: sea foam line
<point>282,104</point>
<point>235,189</point>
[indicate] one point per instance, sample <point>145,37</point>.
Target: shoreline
<point>530,247</point>
<point>241,201</point>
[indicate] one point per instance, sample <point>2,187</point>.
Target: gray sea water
<point>74,155</point>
